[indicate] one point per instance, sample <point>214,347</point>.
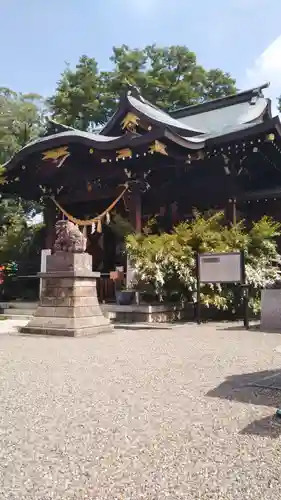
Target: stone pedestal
<point>68,304</point>
<point>271,310</point>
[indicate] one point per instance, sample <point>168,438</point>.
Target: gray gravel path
<point>139,414</point>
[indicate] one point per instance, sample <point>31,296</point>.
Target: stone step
<point>21,317</point>
<point>18,312</point>
<point>17,304</point>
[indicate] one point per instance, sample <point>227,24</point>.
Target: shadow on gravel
<point>258,388</point>
<point>265,427</point>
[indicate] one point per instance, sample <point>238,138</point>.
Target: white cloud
<point>267,68</point>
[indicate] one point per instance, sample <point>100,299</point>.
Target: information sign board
<point>220,267</point>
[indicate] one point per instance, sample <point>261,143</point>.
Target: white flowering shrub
<point>167,262</point>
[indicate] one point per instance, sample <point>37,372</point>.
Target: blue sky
<point>38,36</point>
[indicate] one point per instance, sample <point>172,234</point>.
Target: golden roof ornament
<point>55,154</point>
<point>158,147</point>
<point>270,137</point>
<point>130,122</point>
<point>124,153</point>
<point>58,155</point>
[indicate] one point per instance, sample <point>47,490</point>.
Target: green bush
<point>166,263</point>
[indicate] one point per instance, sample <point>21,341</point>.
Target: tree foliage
<point>20,243</point>
<point>169,77</point>
<point>15,223</point>
<point>21,120</point>
<point>166,263</point>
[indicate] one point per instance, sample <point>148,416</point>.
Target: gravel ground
<point>139,414</point>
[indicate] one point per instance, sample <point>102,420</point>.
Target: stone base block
<point>68,326</point>
<point>145,313</point>
<point>68,304</point>
<point>90,331</point>
<point>271,310</point>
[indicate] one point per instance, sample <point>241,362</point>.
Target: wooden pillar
<point>231,212</point>
<point>174,213</point>
<point>133,202</point>
<point>137,212</point>
<point>49,214</point>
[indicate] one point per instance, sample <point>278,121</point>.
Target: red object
<point>2,269</point>
<point>116,275</point>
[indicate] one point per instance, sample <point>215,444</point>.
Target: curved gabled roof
<point>211,117</point>
<point>133,102</point>
<point>251,122</point>
<point>155,114</point>
<point>221,102</point>
<point>229,116</point>
<point>99,142</point>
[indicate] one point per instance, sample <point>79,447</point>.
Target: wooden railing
<point>105,289</point>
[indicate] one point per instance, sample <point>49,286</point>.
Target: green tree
<point>168,77</point>
<point>77,100</point>
<point>21,120</point>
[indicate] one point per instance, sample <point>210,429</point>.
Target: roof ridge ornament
<point>54,127</point>
<point>133,90</point>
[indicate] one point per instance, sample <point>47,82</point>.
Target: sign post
<point>245,291</point>
<point>198,290</point>
<point>43,266</point>
<point>219,268</point>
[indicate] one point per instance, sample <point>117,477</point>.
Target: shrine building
<point>223,155</point>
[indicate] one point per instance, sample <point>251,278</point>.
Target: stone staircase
<point>133,314</point>
<point>17,309</point>
<point>143,313</point>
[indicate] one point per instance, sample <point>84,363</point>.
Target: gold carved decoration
<point>58,156</point>
<point>158,147</point>
<point>270,137</point>
<point>130,122</point>
<point>124,153</point>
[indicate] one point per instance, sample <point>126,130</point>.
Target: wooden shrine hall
<point>222,154</point>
